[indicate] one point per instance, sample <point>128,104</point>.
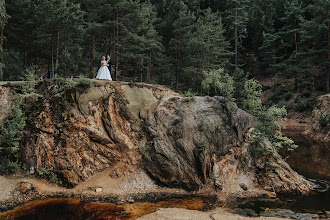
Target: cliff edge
<point>181,142</point>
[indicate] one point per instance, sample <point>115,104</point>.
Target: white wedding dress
<point>104,72</point>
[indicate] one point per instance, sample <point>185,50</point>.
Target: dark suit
<point>110,63</point>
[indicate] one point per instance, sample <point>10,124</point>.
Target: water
<point>315,205</point>
<point>75,209</point>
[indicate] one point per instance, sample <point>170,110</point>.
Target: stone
<point>25,187</point>
<point>98,189</point>
<point>180,143</point>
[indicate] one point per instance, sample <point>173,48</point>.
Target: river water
<point>315,205</point>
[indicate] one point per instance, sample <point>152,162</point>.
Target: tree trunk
<point>117,52</point>
<point>57,52</point>
<point>149,69</point>
<point>52,55</point>
<point>93,52</point>
<point>6,48</point>
<point>141,70</point>
<point>1,43</point>
<point>236,36</point>
<point>328,68</point>
<point>25,56</point>
<point>177,71</point>
<point>295,57</point>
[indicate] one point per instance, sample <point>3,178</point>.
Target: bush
<point>10,137</point>
<point>47,173</point>
<point>301,105</point>
<point>287,95</point>
<point>221,82</point>
<point>273,98</point>
<point>268,124</point>
<point>63,85</point>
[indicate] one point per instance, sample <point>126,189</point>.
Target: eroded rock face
<point>203,141</point>
<point>80,134</point>
<point>180,142</point>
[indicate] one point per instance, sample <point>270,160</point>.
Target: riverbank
<point>137,186</point>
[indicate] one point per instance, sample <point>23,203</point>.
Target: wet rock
<point>98,189</point>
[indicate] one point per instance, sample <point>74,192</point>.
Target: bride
<point>104,72</point>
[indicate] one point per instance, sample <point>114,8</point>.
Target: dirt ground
<point>184,214</point>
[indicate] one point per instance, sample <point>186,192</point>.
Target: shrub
<point>221,82</point>
<point>10,137</point>
<point>63,85</point>
<point>283,104</point>
<point>287,95</point>
<point>273,98</point>
<point>202,147</point>
<point>301,105</point>
<point>47,173</point>
<point>188,94</point>
<point>269,121</point>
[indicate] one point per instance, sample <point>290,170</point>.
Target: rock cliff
<point>185,142</point>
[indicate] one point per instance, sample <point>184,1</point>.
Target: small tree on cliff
<point>269,121</point>
<point>9,145</point>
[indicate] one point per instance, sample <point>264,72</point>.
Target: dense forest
<point>204,46</point>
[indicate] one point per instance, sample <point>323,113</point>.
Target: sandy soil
<point>103,185</point>
<point>184,214</point>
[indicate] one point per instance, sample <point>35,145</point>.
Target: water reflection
<point>313,205</point>
<point>74,209</point>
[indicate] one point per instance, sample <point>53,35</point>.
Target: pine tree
<point>288,39</point>
<point>236,22</point>
<point>315,40</point>
<point>151,40</point>
<point>3,20</point>
<point>183,30</point>
<point>57,27</point>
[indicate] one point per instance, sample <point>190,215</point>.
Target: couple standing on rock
<point>105,69</point>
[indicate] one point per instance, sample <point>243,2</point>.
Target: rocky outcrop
<point>313,140</point>
<point>202,140</point>
<point>181,142</point>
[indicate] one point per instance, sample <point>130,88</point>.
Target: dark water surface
<point>75,209</point>
<point>315,205</point>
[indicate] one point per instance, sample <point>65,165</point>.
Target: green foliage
<point>301,104</point>
<point>202,147</point>
<point>252,101</point>
<point>273,98</point>
<point>188,94</point>
<point>10,137</point>
<point>269,122</point>
<point>201,123</point>
<point>62,85</point>
<point>221,82</point>
<point>47,173</point>
<point>28,93</point>
<point>287,95</point>
<point>240,78</point>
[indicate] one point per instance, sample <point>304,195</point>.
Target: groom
<point>110,63</point>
